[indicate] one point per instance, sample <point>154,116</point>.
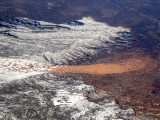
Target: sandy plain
<point>118,67</point>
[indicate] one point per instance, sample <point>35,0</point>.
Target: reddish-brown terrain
<point>132,80</point>
<point>118,67</point>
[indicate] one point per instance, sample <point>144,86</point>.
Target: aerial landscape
<point>79,60</point>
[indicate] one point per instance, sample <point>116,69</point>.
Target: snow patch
<point>76,99</point>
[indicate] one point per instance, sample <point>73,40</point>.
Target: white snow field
<point>29,92</point>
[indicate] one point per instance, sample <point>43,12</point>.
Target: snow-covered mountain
<point>36,94</point>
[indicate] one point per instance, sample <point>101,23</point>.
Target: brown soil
<point>131,79</point>
<point>118,67</point>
